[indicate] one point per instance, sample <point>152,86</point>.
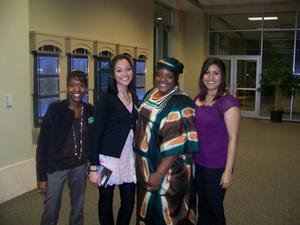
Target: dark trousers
<point>210,196</point>
<point>105,204</point>
<point>76,182</point>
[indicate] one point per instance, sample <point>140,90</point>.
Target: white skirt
<point>124,167</point>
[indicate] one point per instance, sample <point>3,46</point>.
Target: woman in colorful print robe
<point>165,141</point>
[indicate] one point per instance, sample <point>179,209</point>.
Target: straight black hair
<point>112,87</point>
<point>207,63</point>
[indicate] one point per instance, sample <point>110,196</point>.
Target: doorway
<point>243,82</point>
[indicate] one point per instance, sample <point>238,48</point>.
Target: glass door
<point>242,81</point>
<point>245,85</point>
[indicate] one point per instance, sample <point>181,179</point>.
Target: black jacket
<point>112,125</point>
<point>55,127</point>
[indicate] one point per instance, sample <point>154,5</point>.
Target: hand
<point>226,180</point>
<point>41,186</point>
<point>94,177</point>
<point>154,181</point>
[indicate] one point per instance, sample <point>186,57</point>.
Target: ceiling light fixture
<point>256,18</point>
<point>159,18</point>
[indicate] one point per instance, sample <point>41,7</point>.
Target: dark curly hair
<point>78,75</point>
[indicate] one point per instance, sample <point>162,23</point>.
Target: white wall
<point>196,49</point>
<point>190,46</point>
<point>127,22</point>
<point>15,122</point>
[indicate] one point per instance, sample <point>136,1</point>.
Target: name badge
<point>91,120</point>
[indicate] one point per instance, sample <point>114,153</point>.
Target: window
<point>140,71</point>
<point>78,60</point>
<point>270,38</point>
<point>163,24</point>
<point>102,73</point>
<point>235,43</point>
<point>46,80</point>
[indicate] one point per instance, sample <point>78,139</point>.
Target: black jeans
<point>210,196</point>
<point>105,204</point>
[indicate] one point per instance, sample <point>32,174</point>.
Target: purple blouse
<point>212,132</point>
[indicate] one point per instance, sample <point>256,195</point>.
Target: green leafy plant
<point>278,78</point>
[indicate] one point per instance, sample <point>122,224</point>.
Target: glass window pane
<point>246,99</point>
<point>140,81</point>
<point>246,74</point>
<point>298,23</point>
<point>43,106</point>
<point>104,81</point>
<point>278,44</point>
<point>165,43</point>
<point>296,106</point>
<point>47,65</point>
<point>48,86</point>
<point>79,64</point>
<point>162,14</point>
<point>140,92</point>
<point>234,43</point>
<point>297,59</point>
<point>227,63</point>
<point>234,22</point>
<point>102,74</point>
<point>285,20</point>
<point>140,67</point>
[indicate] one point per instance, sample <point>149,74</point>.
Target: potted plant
<point>278,78</point>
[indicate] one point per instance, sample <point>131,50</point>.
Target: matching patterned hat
<point>171,64</point>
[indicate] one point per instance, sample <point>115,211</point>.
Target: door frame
<point>233,80</point>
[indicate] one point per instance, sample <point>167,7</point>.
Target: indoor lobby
<point>43,40</point>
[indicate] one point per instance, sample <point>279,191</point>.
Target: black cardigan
<point>112,125</point>
<point>53,133</point>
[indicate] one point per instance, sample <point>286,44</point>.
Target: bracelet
<point>160,173</point>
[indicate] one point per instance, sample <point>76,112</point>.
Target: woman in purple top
<point>217,123</point>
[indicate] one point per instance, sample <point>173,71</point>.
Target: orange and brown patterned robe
<point>166,128</point>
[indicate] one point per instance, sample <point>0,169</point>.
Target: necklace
<point>78,149</point>
<point>126,97</point>
<point>209,100</point>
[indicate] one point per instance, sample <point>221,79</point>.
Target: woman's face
<point>212,78</point>
<point>123,73</point>
<point>76,90</point>
<point>165,81</point>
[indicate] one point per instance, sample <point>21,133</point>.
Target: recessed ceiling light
<point>256,18</point>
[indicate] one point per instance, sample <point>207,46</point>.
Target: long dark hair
<point>207,63</point>
<point>112,87</point>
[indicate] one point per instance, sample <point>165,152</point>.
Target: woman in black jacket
<point>62,149</point>
<point>113,143</point>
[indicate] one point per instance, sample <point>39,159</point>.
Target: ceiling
<point>207,5</point>
<point>234,2</point>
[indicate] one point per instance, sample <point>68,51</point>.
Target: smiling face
<point>76,90</point>
<point>123,73</point>
<point>165,81</point>
<point>212,79</point>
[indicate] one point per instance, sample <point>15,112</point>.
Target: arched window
<point>78,60</point>
<point>140,78</point>
<point>102,73</point>
<point>46,80</point>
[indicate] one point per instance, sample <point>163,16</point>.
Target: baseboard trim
<point>16,179</point>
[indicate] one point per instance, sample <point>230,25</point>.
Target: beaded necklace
<point>78,151</point>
